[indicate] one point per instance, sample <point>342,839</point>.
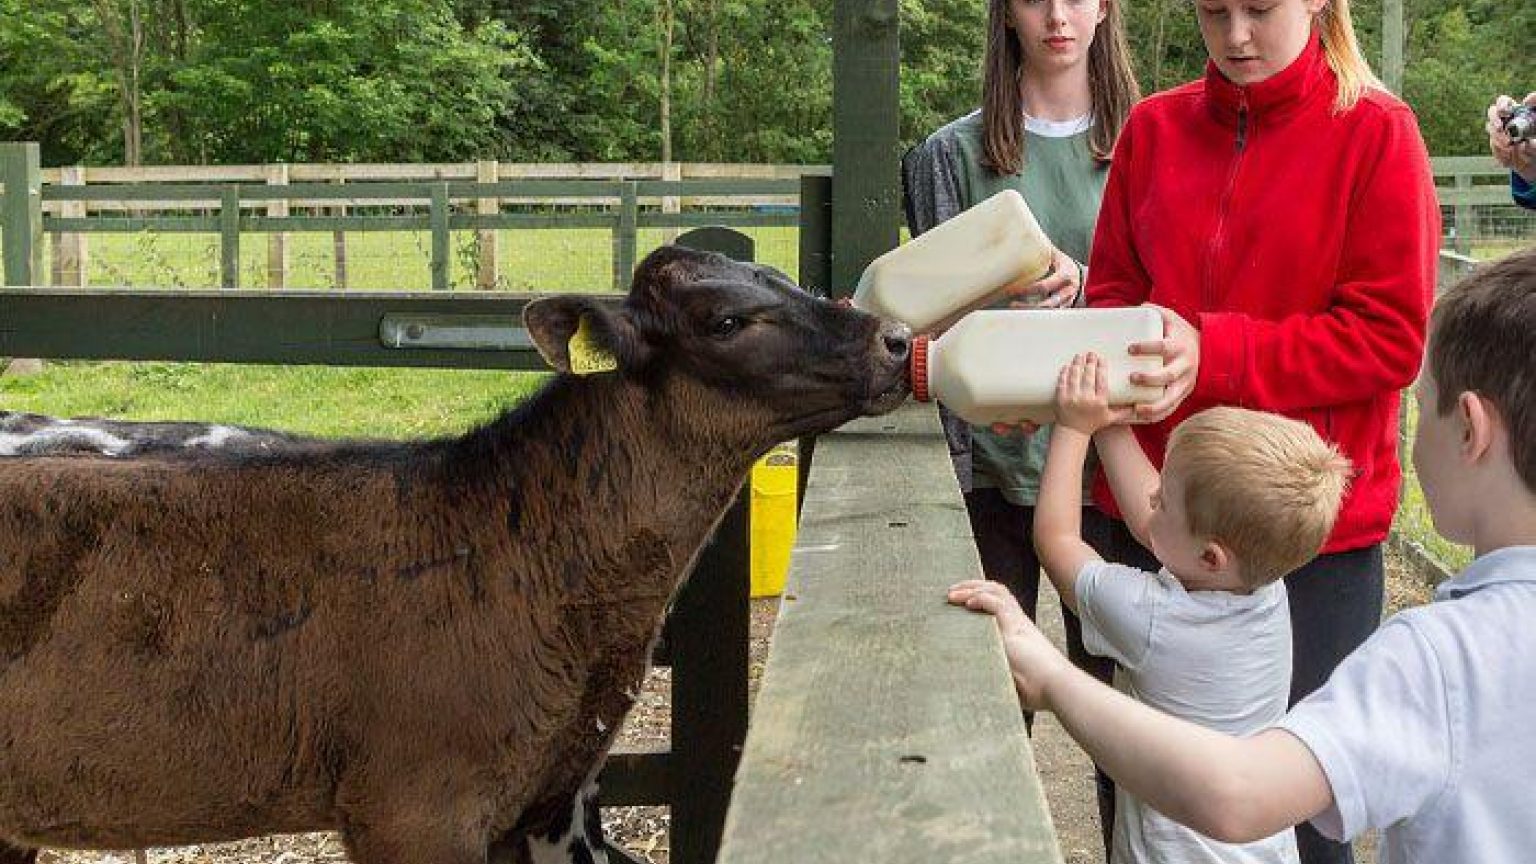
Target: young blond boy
<point>1244,498</point>
<point>1428,730</point>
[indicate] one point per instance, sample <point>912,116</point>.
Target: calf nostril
<point>898,345</point>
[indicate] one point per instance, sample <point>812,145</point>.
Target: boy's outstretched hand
<point>1082,396</point>
<point>1032,659</point>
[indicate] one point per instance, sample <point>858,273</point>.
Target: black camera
<point>1520,125</point>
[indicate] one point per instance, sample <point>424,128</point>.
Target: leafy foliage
<point>188,81</point>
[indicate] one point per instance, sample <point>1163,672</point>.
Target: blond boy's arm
<point>1082,408</point>
<point>1131,477</point>
<point>1059,513</point>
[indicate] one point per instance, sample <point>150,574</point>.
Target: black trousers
<point>1005,541</point>
<point>1336,604</point>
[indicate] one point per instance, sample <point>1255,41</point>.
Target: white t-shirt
<point>1215,658</point>
<point>1428,730</point>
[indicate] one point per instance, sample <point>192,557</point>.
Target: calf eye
<point>727,327</point>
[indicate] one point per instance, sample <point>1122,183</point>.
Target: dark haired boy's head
<point>1477,398</point>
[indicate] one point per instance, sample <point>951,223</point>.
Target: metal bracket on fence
<point>465,332</point>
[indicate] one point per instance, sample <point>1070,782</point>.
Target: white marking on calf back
<point>86,438</point>
<point>215,437</point>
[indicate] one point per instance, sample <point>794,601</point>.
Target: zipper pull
<point>1242,124</point>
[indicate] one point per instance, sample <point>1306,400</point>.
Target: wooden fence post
<point>1392,45</point>
<point>866,176</point>
<point>1464,216</point>
<point>487,267</point>
<point>624,237</point>
<point>672,171</point>
<point>229,237</point>
<point>709,629</point>
<point>277,241</point>
<point>339,244</point>
<point>69,247</point>
<point>21,215</point>
<point>816,234</point>
<point>440,237</point>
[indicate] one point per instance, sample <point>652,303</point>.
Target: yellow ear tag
<point>588,357</point>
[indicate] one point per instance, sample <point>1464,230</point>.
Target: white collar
<point>1510,564</point>
<point>1058,128</point>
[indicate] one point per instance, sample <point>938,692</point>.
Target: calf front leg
<point>574,836</point>
<point>17,855</point>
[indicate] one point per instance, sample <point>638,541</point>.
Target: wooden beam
<point>289,328</point>
<point>70,251</point>
<point>886,728</point>
<point>487,263</point>
<point>866,114</point>
<point>21,213</point>
<point>277,242</point>
<point>1392,45</point>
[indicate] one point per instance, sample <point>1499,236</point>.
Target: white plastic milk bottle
<point>1001,366</point>
<point>963,264</point>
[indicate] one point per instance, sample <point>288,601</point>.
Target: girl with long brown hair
<point>1057,87</point>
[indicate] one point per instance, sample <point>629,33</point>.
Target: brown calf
<point>427,646</point>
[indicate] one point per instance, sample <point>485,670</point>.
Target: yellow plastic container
<point>773,518</point>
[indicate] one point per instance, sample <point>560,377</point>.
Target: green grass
<point>544,260</point>
<point>386,403</point>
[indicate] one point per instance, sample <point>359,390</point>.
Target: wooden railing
<point>276,200</point>
<point>886,728</point>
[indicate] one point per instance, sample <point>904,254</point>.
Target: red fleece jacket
<point>1302,244</point>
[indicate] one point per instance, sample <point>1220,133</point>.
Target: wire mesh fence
<point>1491,230</point>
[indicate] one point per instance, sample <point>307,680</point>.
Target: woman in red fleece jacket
<point>1282,211</point>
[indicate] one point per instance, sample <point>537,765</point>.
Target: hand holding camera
<point>1520,125</point>
<point>1512,134</point>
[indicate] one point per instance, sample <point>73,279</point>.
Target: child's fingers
<point>966,587</point>
<point>1120,416</point>
<point>1079,372</point>
<point>996,601</point>
<point>1100,376</point>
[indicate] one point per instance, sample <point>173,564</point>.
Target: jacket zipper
<point>1218,237</point>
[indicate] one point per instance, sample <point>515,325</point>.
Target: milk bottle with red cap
<point>1001,366</point>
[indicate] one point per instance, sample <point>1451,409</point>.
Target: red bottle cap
<point>920,368</point>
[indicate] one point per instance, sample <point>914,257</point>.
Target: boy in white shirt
<point>1244,498</point>
<point>1428,730</point>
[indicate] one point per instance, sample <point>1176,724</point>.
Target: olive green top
<point>1063,185</point>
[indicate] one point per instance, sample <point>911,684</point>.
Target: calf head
<point>739,347</point>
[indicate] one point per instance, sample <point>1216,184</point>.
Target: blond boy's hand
<point>1032,659</point>
<point>1082,396</point>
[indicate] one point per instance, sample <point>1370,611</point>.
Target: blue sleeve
<point>1524,193</point>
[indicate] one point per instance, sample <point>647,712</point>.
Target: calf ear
<point>578,336</point>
